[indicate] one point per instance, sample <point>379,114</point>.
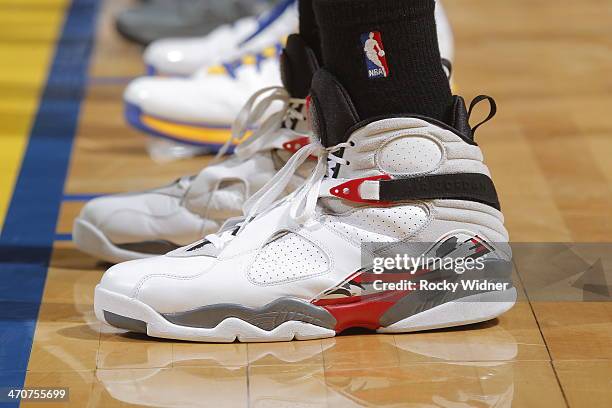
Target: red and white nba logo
<point>375,56</point>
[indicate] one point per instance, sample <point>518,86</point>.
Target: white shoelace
<point>303,200</point>
<point>252,112</point>
<point>265,135</point>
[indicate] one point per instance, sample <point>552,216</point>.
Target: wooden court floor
<point>548,65</point>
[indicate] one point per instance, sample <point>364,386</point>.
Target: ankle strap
<point>384,190</point>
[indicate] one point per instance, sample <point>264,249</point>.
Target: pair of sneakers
<point>300,267</point>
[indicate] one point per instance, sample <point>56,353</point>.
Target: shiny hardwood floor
<point>548,65</point>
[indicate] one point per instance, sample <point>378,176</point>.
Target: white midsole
<point>91,240</point>
<point>472,309</point>
<point>227,331</point>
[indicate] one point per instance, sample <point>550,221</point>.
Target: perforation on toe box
<point>410,155</point>
<point>288,258</point>
<point>379,224</point>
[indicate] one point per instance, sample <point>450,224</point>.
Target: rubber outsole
<point>91,240</point>
<point>229,330</point>
<point>476,308</point>
<point>472,309</point>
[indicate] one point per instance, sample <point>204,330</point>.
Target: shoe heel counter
<point>478,219</point>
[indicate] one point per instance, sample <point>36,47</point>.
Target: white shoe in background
<point>185,56</point>
<point>199,110</point>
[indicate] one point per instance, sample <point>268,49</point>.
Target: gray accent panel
<point>496,271</point>
<point>267,317</point>
<point>126,323</point>
<point>149,247</point>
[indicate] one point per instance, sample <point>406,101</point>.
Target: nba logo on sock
<point>375,56</point>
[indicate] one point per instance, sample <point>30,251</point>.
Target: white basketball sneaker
<point>132,226</point>
<point>199,111</point>
<point>185,56</point>
<point>298,267</point>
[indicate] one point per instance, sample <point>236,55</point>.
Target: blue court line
<point>63,237</point>
<point>27,237</point>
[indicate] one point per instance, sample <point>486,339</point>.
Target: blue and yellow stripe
<point>29,30</point>
<point>45,47</point>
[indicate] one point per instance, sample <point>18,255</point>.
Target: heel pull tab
<point>492,111</point>
<point>448,68</point>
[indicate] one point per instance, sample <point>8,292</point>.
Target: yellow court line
<point>28,33</point>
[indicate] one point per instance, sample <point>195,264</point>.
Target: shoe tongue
<point>332,112</point>
<point>298,65</point>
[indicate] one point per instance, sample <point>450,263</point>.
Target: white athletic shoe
<point>131,226</point>
<point>122,227</point>
<point>185,56</point>
<point>300,268</point>
<point>199,111</point>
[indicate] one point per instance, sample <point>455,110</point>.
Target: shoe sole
<point>133,315</point>
<point>91,240</point>
<point>209,136</point>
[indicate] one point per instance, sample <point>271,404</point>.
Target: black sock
<point>308,27</point>
<point>407,78</point>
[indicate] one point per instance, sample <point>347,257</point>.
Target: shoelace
<point>303,200</point>
<point>185,182</point>
<point>265,135</point>
<point>251,113</point>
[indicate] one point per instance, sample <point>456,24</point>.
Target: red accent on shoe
<point>296,144</point>
<point>350,190</point>
<point>369,277</point>
<point>479,246</point>
<point>365,313</point>
<point>388,277</point>
<point>337,301</point>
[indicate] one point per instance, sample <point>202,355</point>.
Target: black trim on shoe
<point>492,110</point>
<point>298,66</point>
<point>461,186</point>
